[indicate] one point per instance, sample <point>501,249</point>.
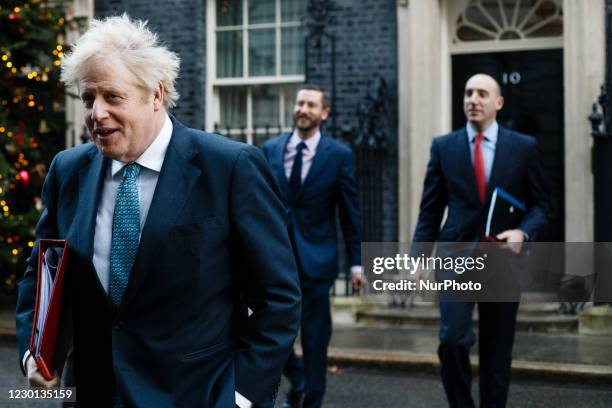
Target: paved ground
<point>570,370</point>
<point>536,347</point>
<point>369,388</point>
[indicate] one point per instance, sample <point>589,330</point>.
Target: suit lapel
<point>91,179</point>
<point>318,162</point>
<point>177,178</point>
<point>503,151</point>
<point>281,147</point>
<point>466,166</point>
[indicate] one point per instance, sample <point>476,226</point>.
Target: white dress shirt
<point>151,162</point>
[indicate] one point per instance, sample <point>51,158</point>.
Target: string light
<point>23,110</point>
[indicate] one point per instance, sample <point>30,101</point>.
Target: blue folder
<point>505,212</point>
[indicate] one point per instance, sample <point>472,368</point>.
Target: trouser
<point>307,374</point>
<point>497,323</point>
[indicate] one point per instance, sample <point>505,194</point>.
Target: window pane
<point>290,94</point>
<point>261,52</point>
<point>265,113</point>
<point>232,103</point>
<point>292,52</point>
<point>265,106</point>
<point>261,11</point>
<point>229,54</point>
<point>229,12</point>
<point>292,10</point>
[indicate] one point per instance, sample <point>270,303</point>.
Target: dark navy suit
<point>214,242</point>
<point>311,219</point>
<point>450,183</point>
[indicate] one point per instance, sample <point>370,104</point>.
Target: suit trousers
<point>497,324</point>
<point>308,373</point>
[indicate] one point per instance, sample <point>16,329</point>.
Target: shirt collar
<point>153,157</point>
<point>311,143</point>
<point>490,133</point>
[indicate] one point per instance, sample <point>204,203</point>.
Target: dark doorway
<point>532,85</point>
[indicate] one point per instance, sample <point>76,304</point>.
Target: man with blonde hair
<point>174,234</point>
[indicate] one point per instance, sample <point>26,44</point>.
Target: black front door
<point>532,85</point>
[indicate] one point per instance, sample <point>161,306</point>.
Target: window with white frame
<point>255,65</point>
<point>484,25</point>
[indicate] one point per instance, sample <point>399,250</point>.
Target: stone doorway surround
<point>75,120</point>
<point>425,46</point>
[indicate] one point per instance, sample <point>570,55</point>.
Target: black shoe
<point>294,399</point>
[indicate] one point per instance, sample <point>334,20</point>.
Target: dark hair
<point>314,87</point>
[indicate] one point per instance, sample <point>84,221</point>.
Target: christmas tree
<point>32,121</point>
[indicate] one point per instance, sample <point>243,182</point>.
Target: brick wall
<point>180,25</point>
<point>365,50</point>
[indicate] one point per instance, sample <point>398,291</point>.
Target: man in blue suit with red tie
<point>464,168</point>
<point>174,235</point>
<point>316,175</point>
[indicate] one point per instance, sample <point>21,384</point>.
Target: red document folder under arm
<point>52,326</point>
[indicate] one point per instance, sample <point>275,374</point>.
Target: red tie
<point>479,169</point>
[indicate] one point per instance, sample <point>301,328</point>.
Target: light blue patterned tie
<point>126,230</point>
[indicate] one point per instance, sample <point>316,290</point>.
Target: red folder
<point>51,327</point>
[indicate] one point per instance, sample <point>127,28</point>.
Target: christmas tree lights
<point>32,121</point>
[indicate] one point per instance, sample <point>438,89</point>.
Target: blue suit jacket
<point>311,214</point>
<point>450,182</point>
<point>214,241</point>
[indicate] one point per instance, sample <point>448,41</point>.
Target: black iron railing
<point>601,131</point>
<point>320,42</point>
<point>256,136</point>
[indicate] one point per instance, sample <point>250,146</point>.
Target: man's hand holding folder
<point>514,239</point>
<point>35,377</point>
